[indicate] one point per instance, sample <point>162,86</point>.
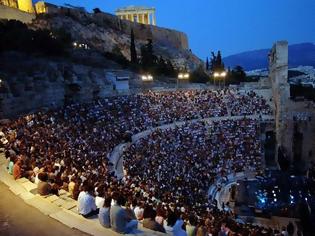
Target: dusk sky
<point>231,26</point>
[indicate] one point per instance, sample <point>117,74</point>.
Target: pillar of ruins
<point>278,74</point>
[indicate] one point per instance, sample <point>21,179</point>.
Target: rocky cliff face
<point>42,82</point>
<point>104,32</point>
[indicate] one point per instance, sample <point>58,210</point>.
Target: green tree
<point>239,74</point>
<point>133,51</point>
<point>199,75</point>
<point>170,70</point>
<point>236,76</point>
<point>220,65</point>
<point>216,64</point>
<point>207,64</point>
<point>148,59</point>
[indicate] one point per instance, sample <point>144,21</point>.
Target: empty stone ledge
<point>29,186</point>
<point>50,198</point>
<point>43,205</point>
<point>73,220</point>
<point>26,196</point>
<point>22,180</point>
<point>17,189</point>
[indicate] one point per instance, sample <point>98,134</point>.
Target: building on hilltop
<point>23,5</point>
<point>142,15</point>
<point>42,7</point>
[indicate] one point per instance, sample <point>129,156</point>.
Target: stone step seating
<point>61,208</point>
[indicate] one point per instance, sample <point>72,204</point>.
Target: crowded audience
<point>167,173</point>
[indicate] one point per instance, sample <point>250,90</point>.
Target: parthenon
<point>142,15</point>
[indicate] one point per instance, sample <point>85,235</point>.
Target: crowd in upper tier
<point>166,174</point>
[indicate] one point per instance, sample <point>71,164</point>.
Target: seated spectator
<point>11,164</point>
<point>36,171</point>
<point>138,210</point>
<point>71,186</point>
<point>54,187</point>
<point>174,225</point>
<point>99,199</point>
<point>149,222</point>
<point>17,170</point>
<point>160,215</point>
<point>119,219</point>
<point>86,202</point>
<point>43,187</point>
<point>225,231</point>
<point>104,213</point>
<point>191,226</point>
<point>201,229</point>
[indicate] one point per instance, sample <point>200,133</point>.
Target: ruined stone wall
<point>278,74</point>
<point>15,14</point>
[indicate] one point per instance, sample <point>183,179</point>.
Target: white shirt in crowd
<point>99,201</point>
<point>86,203</point>
<point>138,212</point>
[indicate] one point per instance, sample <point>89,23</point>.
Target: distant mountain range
<point>299,54</point>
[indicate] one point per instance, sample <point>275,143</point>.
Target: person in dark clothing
<point>149,222</point>
<point>290,228</point>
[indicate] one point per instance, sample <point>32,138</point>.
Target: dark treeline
<point>236,75</point>
<point>148,61</point>
<point>16,36</point>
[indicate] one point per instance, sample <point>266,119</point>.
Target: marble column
<point>149,18</point>
<point>145,18</point>
<point>142,18</point>
<point>138,18</point>
<point>154,19</point>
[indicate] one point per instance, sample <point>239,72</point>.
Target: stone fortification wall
<point>15,14</point>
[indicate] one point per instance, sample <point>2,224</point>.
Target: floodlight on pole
<point>222,74</point>
<point>216,74</point>
<point>147,78</point>
<point>183,76</point>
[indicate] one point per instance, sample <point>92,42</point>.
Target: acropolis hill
<point>104,32</point>
<point>43,81</point>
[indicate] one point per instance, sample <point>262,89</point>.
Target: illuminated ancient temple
<point>23,5</point>
<point>142,15</point>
